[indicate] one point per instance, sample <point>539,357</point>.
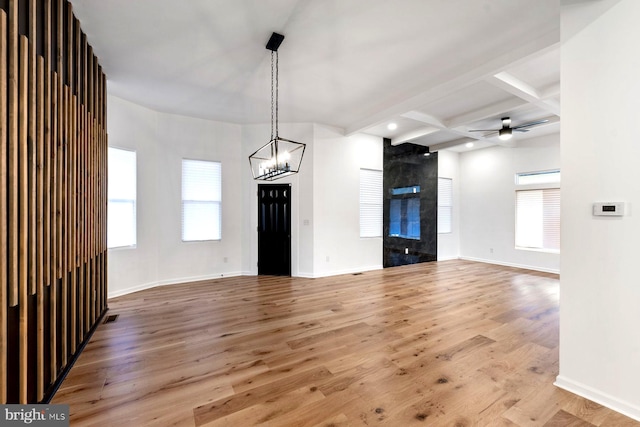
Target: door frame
<point>289,223</point>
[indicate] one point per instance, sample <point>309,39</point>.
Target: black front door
<point>274,229</point>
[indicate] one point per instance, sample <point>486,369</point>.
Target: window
<point>370,203</point>
<point>445,205</point>
<point>544,177</point>
<point>538,211</point>
<point>201,200</point>
<point>404,212</point>
<point>121,208</point>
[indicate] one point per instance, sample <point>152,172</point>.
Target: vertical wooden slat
<point>47,144</point>
<point>60,129</point>
<point>40,235</point>
<point>89,86</point>
<point>53,227</point>
<point>23,217</point>
<point>3,208</point>
<point>13,152</point>
<point>61,226</point>
<point>73,194</point>
<point>69,46</point>
<point>31,138</point>
<point>59,36</point>
<point>78,178</point>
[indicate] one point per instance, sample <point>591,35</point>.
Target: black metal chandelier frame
<point>279,157</point>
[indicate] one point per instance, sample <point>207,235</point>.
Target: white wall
<point>135,128</point>
<point>180,138</point>
<point>325,210</point>
<point>449,167</point>
<point>600,283</point>
<point>487,202</point>
<point>338,247</point>
<point>161,141</point>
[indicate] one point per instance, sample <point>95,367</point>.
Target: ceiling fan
<point>507,131</point>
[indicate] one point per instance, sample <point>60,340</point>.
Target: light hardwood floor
<point>452,343</point>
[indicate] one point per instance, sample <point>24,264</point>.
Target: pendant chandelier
<point>279,157</point>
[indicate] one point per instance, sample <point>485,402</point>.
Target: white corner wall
<point>337,246</point>
<point>161,142</point>
<point>600,283</point>
<point>449,243</point>
<point>254,137</point>
<point>487,202</point>
<point>134,128</point>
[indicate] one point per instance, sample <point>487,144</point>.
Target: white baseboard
<point>120,292</point>
<point>340,272</point>
<point>510,264</point>
<point>611,402</point>
<point>448,258</point>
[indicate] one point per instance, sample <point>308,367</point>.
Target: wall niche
<point>410,206</point>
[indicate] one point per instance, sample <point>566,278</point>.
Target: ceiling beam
<point>424,118</point>
<point>517,87</point>
<point>410,136</point>
<point>448,144</point>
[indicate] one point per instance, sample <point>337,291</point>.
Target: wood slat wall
<point>53,165</point>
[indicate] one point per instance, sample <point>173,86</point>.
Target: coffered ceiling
<point>436,68</point>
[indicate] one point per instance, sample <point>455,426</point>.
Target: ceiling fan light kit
<point>506,132</point>
<point>279,157</point>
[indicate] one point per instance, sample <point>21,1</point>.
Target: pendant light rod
<point>273,44</point>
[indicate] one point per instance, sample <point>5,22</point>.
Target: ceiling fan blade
<point>521,130</point>
<point>483,130</point>
<point>539,122</point>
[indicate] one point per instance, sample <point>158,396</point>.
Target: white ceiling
<point>437,68</point>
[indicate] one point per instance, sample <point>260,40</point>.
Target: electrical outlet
<point>327,258</point>
<point>225,259</point>
<point>490,250</point>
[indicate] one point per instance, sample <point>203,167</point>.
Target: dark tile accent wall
<point>406,165</point>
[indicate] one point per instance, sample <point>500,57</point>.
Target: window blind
<point>445,205</point>
<point>538,219</point>
<point>370,203</point>
<point>201,200</point>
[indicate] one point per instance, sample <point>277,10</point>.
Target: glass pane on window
<point>199,179</point>
<point>544,177</point>
<point>444,219</point>
<point>538,219</point>
<point>121,226</point>
<point>122,174</point>
<point>121,209</point>
<point>200,221</point>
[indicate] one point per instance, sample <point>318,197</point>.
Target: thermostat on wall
<point>608,209</point>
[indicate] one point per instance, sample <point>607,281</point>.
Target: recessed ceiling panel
<point>541,71</point>
<point>465,100</point>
